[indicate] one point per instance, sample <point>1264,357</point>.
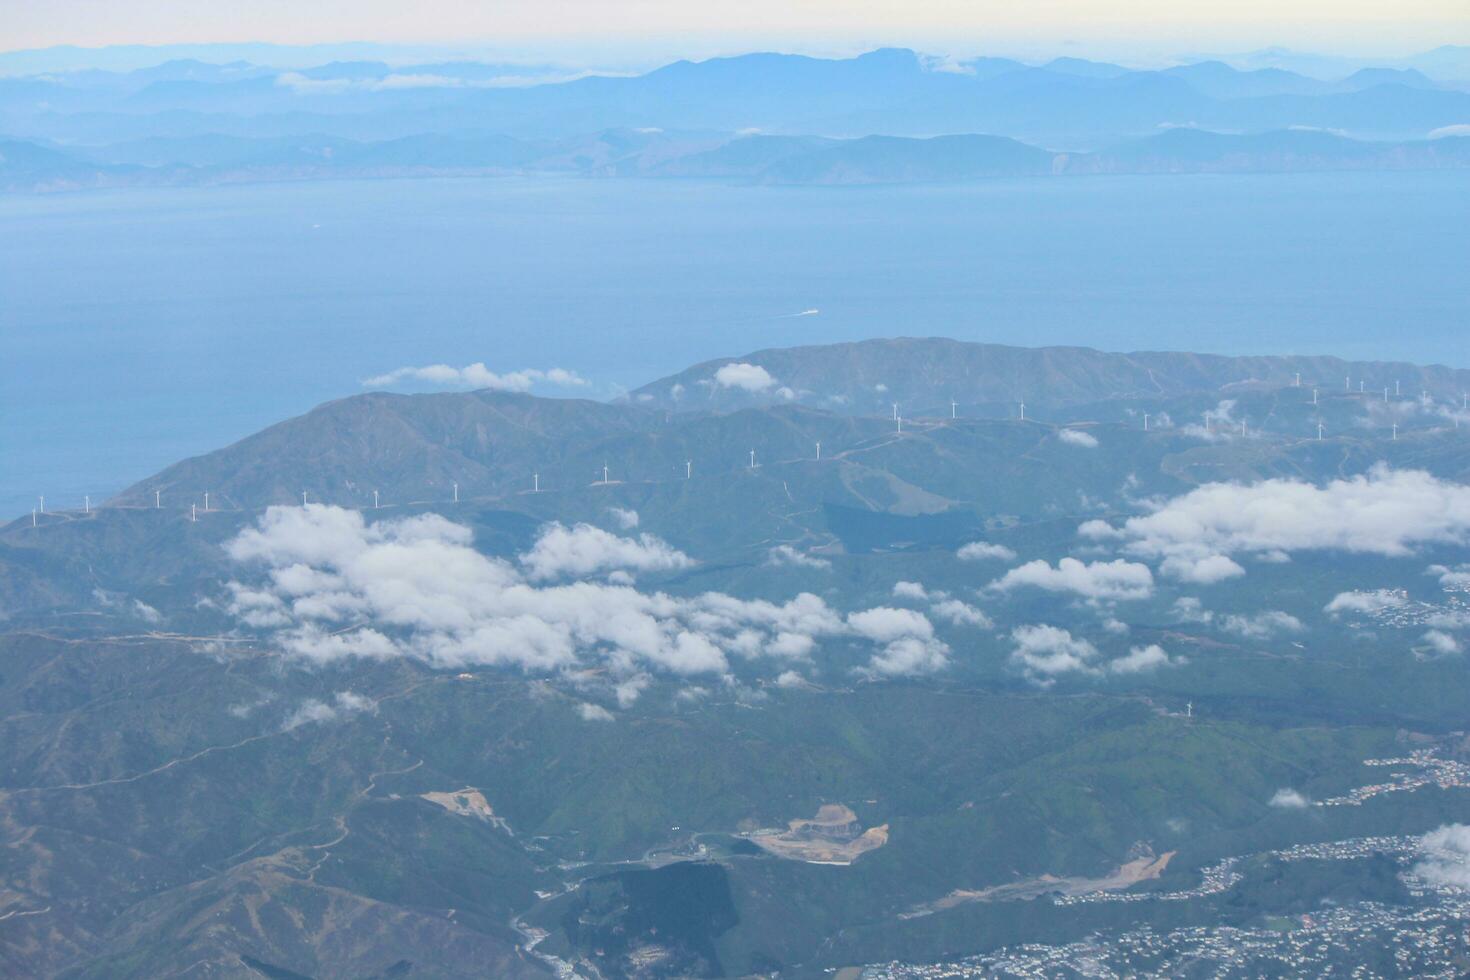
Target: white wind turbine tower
<point>193,514</point>
<point>688,469</point>
<point>1319,431</point>
<point>752,459</point>
<point>375,500</point>
<point>1314,396</point>
<point>87,505</point>
<point>1298,382</point>
<point>895,410</point>
<point>819,450</point>
<point>1395,389</point>
<point>604,473</point>
<point>1385,394</point>
<point>456,493</point>
<point>899,420</point>
<point>33,517</point>
<point>1145,421</point>
<point>43,503</point>
<point>954,408</point>
<point>1023,411</point>
<point>1395,432</point>
<point>303,498</point>
<point>535,482</point>
<point>157,499</point>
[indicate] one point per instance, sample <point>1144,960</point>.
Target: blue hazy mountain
<point>219,158</point>
<point>1066,104</point>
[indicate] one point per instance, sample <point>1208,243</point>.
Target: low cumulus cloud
<point>626,519</point>
<point>1383,512</point>
<point>1140,660</point>
<point>1445,854</point>
<point>1076,437</point>
<point>1366,603</point>
<point>582,550</point>
<point>984,551</point>
<point>1289,799</point>
<point>786,555</point>
<point>746,377</point>
<point>1440,643</point>
<point>476,376</point>
<point>1116,579</point>
<point>1045,652</point>
<point>314,711</point>
<point>324,585</point>
<point>1261,625</point>
<point>956,612</point>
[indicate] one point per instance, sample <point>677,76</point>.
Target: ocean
<point>138,327</point>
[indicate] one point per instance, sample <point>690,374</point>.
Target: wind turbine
<point>752,459</point>
<point>895,410</point>
<point>819,450</point>
<point>1385,394</point>
<point>604,473</point>
<point>1242,428</point>
<point>1395,431</point>
<point>1145,421</point>
<point>193,513</point>
<point>87,505</point>
<point>954,408</point>
<point>1319,431</point>
<point>206,501</point>
<point>456,493</point>
<point>1298,382</point>
<point>1189,709</point>
<point>535,482</point>
<point>375,500</point>
<point>1023,411</point>
<point>899,420</point>
<point>43,503</point>
<point>33,517</point>
<point>688,469</point>
<point>157,499</point>
<point>1395,389</point>
<point>1314,396</point>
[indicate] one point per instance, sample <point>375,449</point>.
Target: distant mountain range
<point>217,159</point>
<point>781,400</point>
<point>1066,104</point>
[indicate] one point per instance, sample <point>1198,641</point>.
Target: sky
<point>630,28</point>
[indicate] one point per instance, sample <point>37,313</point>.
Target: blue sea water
<point>138,327</point>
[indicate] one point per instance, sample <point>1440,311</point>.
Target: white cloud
<point>1201,571</point>
<point>910,646</point>
<point>562,551</point>
<point>790,678</point>
<point>1440,642</point>
<point>1455,129</point>
<point>1044,652</point>
<point>746,377</point>
<point>785,554</point>
<point>1076,437</point>
<point>1261,625</point>
<point>1290,799</point>
<point>1446,853</point>
<point>981,550</point>
<point>1455,579</point>
<point>1366,603</point>
<point>1385,512</point>
<point>593,712</point>
<point>1142,659</point>
<point>1191,610</point>
<point>910,590</point>
<point>476,376</point>
<point>961,614</point>
<point>626,519</point>
<point>312,711</point>
<point>326,585</point>
<point>1116,579</point>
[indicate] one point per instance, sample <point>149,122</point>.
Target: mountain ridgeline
<point>885,116</point>
<point>779,403</point>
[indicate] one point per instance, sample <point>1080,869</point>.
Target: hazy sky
<point>699,26</point>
